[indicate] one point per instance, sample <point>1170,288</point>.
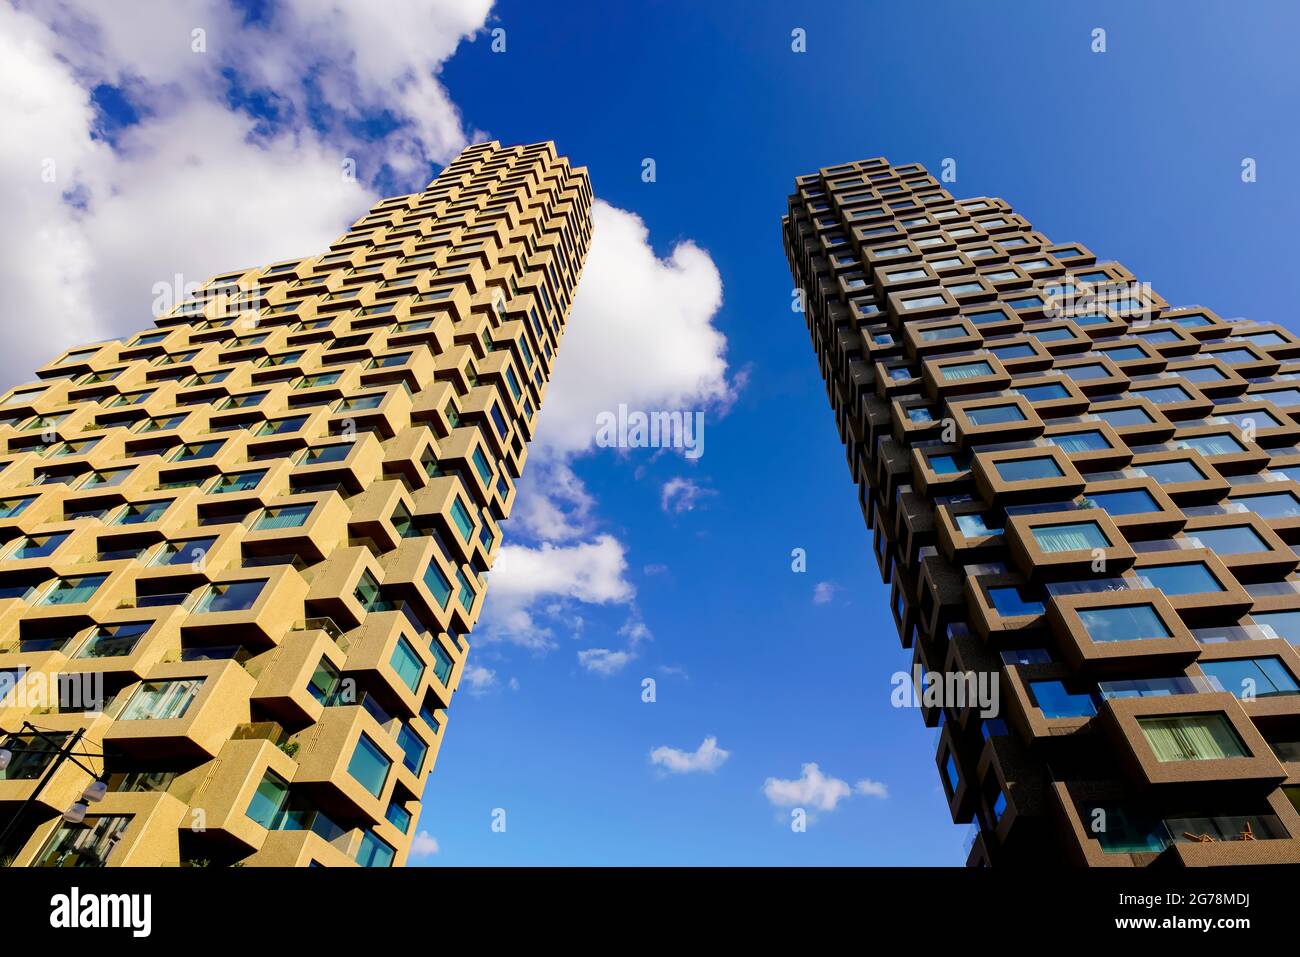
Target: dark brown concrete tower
<point>1078,490</point>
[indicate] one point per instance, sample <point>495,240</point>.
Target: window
<point>1229,540</point>
<point>199,450</point>
<point>237,482</point>
<point>32,754</point>
<point>413,749</point>
<point>161,700</point>
<point>374,851</point>
<point>230,596</point>
<point>398,816</point>
<point>269,800</point>
<point>1043,393</point>
<point>1172,473</point>
<point>1273,505</point>
<point>286,516</point>
<point>1212,444</point>
<point>369,765</point>
<point>1010,602</point>
<point>1079,441</point>
<point>1164,395</point>
<point>141,513</point>
<point>965,370</point>
<point>87,844</point>
<point>1124,502</point>
<point>113,641</point>
<point>324,681</point>
<point>974,526</point>
<point>36,546</point>
<point>319,454</point>
<point>460,515</point>
<point>73,591</point>
<point>1055,701</point>
<point>1193,737</point>
<point>1026,470</point>
<point>437,584</point>
<point>406,662</point>
<point>1069,538</point>
<point>1126,623</point>
<point>281,426</point>
<point>1192,578</point>
<point>1250,678</point>
<point>1285,624</point>
<point>13,507</point>
<point>995,415</point>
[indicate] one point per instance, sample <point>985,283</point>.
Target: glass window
<point>974,526</point>
<point>1124,502</point>
<point>438,584</point>
<point>1164,395</point>
<point>965,370</point>
<point>1192,578</point>
<point>87,844</point>
<point>1010,602</point>
<point>398,816</point>
<point>1126,623</point>
<point>230,596</point>
<point>1092,441</point>
<point>406,662</point>
<point>1043,393</point>
<point>1028,470</point>
<point>187,552</point>
<point>995,415</point>
<point>1274,505</point>
<point>1172,473</point>
<point>460,515</point>
<point>1229,540</point>
<point>72,591</point>
<point>113,641</point>
<point>1055,702</point>
<point>1251,677</point>
<point>324,681</point>
<point>237,482</point>
<point>287,516</point>
<point>369,765</point>
<point>1212,444</point>
<point>269,800</point>
<point>1121,418</point>
<point>32,754</point>
<point>36,546</point>
<point>319,454</point>
<point>1285,624</point>
<point>374,851</point>
<point>161,700</point>
<point>1069,538</point>
<point>1192,737</point>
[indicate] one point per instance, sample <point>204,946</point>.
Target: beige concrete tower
<point>243,550</point>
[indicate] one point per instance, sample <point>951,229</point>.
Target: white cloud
<point>681,495</point>
<point>812,789</point>
<point>424,845</point>
<point>641,333</point>
<point>527,581</point>
<point>479,678</point>
<point>194,187</point>
<point>707,757</point>
<point>871,788</point>
<point>823,592</point>
<point>603,661</point>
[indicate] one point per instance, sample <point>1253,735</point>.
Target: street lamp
<point>94,792</point>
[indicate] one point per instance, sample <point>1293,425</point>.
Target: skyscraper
<point>243,550</point>
<point>1085,504</point>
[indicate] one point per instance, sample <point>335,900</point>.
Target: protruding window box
<point>1190,739</point>
<point>1054,546</point>
<point>295,684</point>
<point>180,709</point>
<point>1245,543</point>
<point>309,526</point>
<point>1118,631</point>
<point>947,377</point>
<point>254,607</point>
<point>1033,474</point>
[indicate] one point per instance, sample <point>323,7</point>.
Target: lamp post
<point>94,792</point>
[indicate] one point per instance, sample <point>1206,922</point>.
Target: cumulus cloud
<point>816,790</point>
<point>604,661</point>
<point>200,184</point>
<point>707,757</point>
<point>681,495</point>
<point>424,845</point>
<point>823,592</point>
<point>479,678</point>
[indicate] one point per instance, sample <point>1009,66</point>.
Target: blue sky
<point>1135,152</point>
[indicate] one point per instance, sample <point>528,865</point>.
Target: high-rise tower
<point>1086,504</point>
<point>242,550</point>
